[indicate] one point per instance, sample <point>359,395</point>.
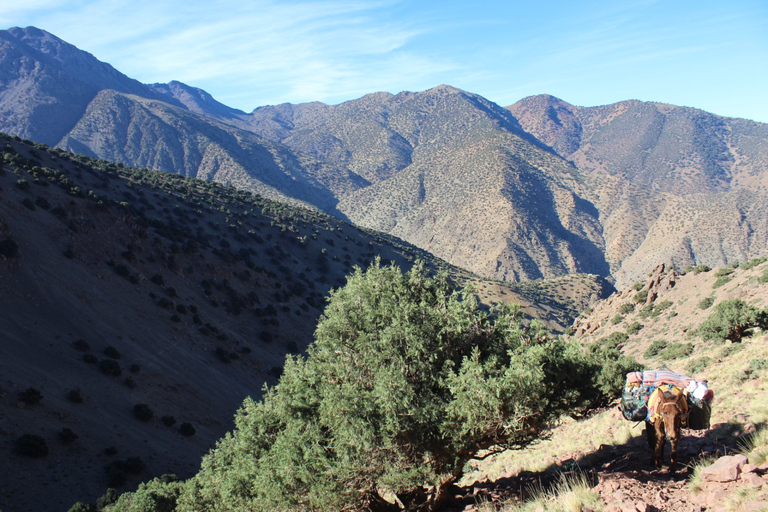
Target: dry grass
<point>571,494</point>
<point>569,442</point>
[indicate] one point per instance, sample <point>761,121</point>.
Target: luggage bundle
<point>640,386</point>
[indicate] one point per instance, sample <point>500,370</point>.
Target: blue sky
<point>705,54</point>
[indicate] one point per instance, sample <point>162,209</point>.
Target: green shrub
<point>143,412</point>
<point>627,308</point>
<point>81,345</point>
<point>617,319</point>
<point>706,303</point>
<point>110,367</point>
<point>638,286</point>
<point>31,445</point>
<point>763,278</point>
<point>720,281</point>
<point>676,351</point>
<point>30,396</point>
<point>112,352</point>
<point>75,396</point>
<point>187,429</point>
<point>67,435</point>
<point>157,495</point>
<point>641,296</point>
<point>107,499</point>
<point>661,306</point>
<point>724,271</point>
<point>406,382</point>
<point>730,349</point>
<point>168,420</point>
<point>731,320</point>
<point>656,347</point>
<point>701,268</point>
<point>8,247</point>
<point>753,263</point>
<point>82,507</point>
<point>698,365</point>
<point>634,328</point>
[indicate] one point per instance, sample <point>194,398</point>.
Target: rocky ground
<point>627,481</point>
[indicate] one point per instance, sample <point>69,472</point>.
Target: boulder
<point>725,469</point>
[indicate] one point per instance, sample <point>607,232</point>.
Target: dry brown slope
<point>667,180</point>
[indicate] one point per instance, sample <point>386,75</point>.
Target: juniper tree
<point>407,380</point>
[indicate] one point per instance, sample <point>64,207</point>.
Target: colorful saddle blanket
<point>636,403</point>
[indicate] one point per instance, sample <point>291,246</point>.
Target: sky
<point>711,55</point>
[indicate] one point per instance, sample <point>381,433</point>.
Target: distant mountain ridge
<point>541,188</point>
<point>673,184</point>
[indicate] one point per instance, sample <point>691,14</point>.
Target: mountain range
<point>538,189</point>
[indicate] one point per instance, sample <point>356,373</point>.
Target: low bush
<point>634,328</point>
<point>617,319</point>
<point>81,345</point>
<point>641,296</point>
<point>82,507</point>
<point>8,247</point>
<point>187,429</point>
<point>143,412</point>
<point>676,351</point>
<point>706,303</point>
<point>627,308</point>
<point>731,320</point>
<point>107,499</point>
<point>75,396</point>
<point>698,365</point>
<point>168,420</point>
<point>753,263</point>
<point>67,436</point>
<point>110,367</point>
<point>656,347</point>
<point>118,470</point>
<point>30,396</point>
<point>112,352</point>
<point>31,445</point>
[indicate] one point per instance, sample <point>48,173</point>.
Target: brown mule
<point>669,411</point>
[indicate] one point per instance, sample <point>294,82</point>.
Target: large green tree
<point>732,320</point>
<point>407,381</point>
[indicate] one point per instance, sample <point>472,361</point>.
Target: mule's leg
<point>658,451</point>
<point>650,434</point>
<point>673,440</point>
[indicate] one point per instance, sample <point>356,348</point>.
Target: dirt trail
<point>626,481</point>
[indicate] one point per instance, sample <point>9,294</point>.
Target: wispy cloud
<point>269,51</point>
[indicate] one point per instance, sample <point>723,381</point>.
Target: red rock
<point>725,469</point>
<point>641,506</point>
<point>752,479</point>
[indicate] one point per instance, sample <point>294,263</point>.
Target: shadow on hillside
<point>631,460</point>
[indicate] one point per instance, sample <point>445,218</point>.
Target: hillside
<point>121,286</point>
<point>672,184</point>
<point>540,189</point>
<point>658,322</point>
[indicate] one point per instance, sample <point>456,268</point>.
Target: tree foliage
<point>731,320</point>
<point>407,380</point>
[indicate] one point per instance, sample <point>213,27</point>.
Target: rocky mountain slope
<point>603,462</point>
<point>435,168</point>
<point>121,287</point>
<point>542,188</point>
<point>672,184</point>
